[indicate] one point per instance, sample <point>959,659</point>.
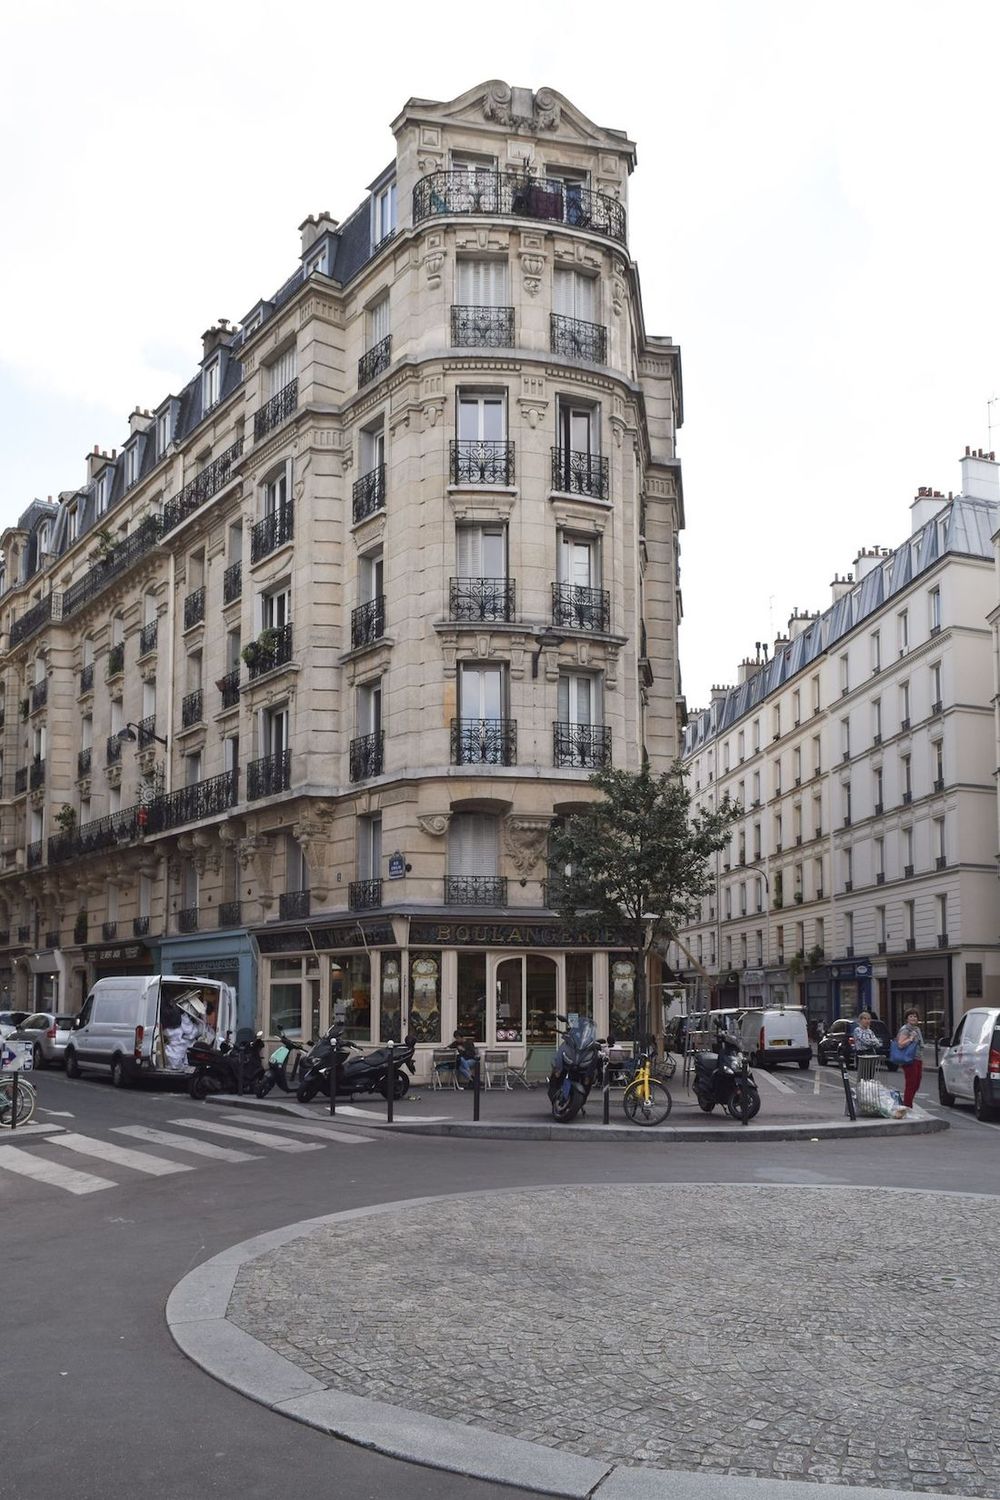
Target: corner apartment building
<point>295,684</point>
<point>862,751</point>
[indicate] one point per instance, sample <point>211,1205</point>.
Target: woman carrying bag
<point>906,1050</point>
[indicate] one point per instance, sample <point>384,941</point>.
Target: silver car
<point>48,1034</point>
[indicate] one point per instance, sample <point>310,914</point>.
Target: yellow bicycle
<point>646,1100</point>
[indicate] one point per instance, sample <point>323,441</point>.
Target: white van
<point>969,1067</point>
<point>776,1036</point>
<point>139,1025</point>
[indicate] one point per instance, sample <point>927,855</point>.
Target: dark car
<point>840,1035</point>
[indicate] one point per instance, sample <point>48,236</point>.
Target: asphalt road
<point>97,1400</point>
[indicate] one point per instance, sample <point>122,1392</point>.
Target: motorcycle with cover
<point>574,1069</point>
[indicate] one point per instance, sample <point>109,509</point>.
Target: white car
<point>969,1067</point>
<point>10,1020</point>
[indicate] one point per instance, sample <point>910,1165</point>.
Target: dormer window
<point>210,386</point>
<point>131,465</point>
<point>164,431</point>
<point>102,491</point>
<point>44,534</point>
<point>319,260</point>
<point>72,524</point>
<point>383,213</point>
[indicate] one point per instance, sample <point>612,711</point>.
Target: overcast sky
<point>813,214</point>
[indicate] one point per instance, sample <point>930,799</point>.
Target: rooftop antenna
<point>989,422</point>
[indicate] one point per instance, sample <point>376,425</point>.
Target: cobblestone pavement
<point>510,1311</point>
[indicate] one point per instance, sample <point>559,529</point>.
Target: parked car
<point>48,1034</point>
<point>831,1043</point>
<point>10,1020</point>
<point>775,1036</point>
<point>969,1067</point>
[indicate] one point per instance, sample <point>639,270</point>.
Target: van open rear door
<point>227,1013</point>
<point>154,1054</point>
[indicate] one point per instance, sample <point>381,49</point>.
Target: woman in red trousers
<point>911,1036</point>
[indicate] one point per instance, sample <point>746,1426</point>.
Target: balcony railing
<point>272,648</point>
<point>576,607</point>
<point>578,339</point>
<point>229,688</point>
<point>363,895</point>
<point>481,599</point>
<point>230,914</point>
<point>270,775</point>
<point>83,761</point>
<point>188,804</point>
<point>366,755</point>
<point>482,327</point>
<point>39,694</point>
<point>191,709</point>
<point>87,678</point>
<point>140,926</point>
<point>475,890</point>
<point>518,195</point>
<point>214,477</point>
<point>147,637</point>
<point>36,775</point>
<point>581,745</point>
<point>33,854</point>
<point>146,731</point>
<point>375,360</point>
<point>232,582</point>
<point>273,532</point>
<point>122,556</point>
<point>293,905</point>
<point>194,608</point>
<point>187,919</point>
<point>109,931</point>
<point>484,742</point>
<point>482,461</point>
<point>116,659</point>
<point>33,619</point>
<point>369,493</point>
<point>578,473</point>
<point>20,780</point>
<point>274,412</point>
<point>368,622</point>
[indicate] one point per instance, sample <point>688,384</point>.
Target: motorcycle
<point>574,1069</point>
<point>358,1072</point>
<point>277,1067</point>
<point>724,1077</point>
<point>227,1069</point>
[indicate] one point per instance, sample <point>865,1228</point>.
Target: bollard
<point>334,1072</point>
<point>390,1084</point>
<point>476,1086</point>
<point>14,1102</point>
<point>848,1091</point>
<point>745,1095</point>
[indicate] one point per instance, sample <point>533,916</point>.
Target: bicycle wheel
<point>25,1103</point>
<point>666,1067</point>
<point>651,1110</point>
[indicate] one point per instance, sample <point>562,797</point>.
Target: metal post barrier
<point>476,1086</point>
<point>745,1092</point>
<point>848,1091</point>
<point>334,1078</point>
<point>14,1099</point>
<point>390,1084</point>
<point>607,1096</point>
<point>239,1071</point>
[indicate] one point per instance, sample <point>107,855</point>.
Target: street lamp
<point>758,870</point>
<point>135,732</point>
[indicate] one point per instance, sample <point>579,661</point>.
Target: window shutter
<point>284,370</point>
<point>469,552</point>
<point>472,844</point>
<point>563,699</point>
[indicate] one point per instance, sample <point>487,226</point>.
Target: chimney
<point>799,623</point>
<point>924,506</point>
<point>841,586</point>
<point>980,476</point>
<point>316,224</point>
<point>719,691</point>
<point>139,421</point>
<point>220,333</point>
<point>867,560</point>
<point>96,461</point>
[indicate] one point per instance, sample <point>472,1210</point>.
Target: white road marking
<point>65,1114</point>
<point>297,1127</point>
<point>183,1143</point>
<point>274,1143</point>
<point>27,1164</point>
<point>120,1156</point>
<point>378,1112</point>
<point>783,1088</point>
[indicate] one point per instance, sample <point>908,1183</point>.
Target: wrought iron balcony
<point>481,599</point>
<point>581,745</point>
<point>230,914</point>
<point>36,775</point>
<point>475,890</point>
<point>33,854</point>
<point>122,556</point>
<point>578,339</point>
<point>482,461</point>
<point>518,195</point>
<point>140,926</point>
<point>484,742</point>
<point>293,905</point>
<point>194,608</point>
<point>274,412</point>
<point>109,931</point>
<point>116,659</point>
<point>366,755</point>
<point>576,607</point>
<point>577,473</point>
<point>39,694</point>
<point>147,636</point>
<point>269,775</point>
<point>83,761</point>
<point>369,493</point>
<point>363,895</point>
<point>188,804</point>
<point>273,532</point>
<point>187,919</point>
<point>232,582</point>
<point>229,688</point>
<point>272,648</point>
<point>80,927</point>
<point>374,361</point>
<point>87,678</point>
<point>146,731</point>
<point>214,477</point>
<point>368,622</point>
<point>33,619</point>
<point>20,780</point>
<point>191,709</point>
<point>482,327</point>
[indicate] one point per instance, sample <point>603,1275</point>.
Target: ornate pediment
<point>525,838</point>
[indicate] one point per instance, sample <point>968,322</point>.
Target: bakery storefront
<point>500,982</point>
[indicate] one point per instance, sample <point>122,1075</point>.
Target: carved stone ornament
<point>436,824</point>
<point>256,853</point>
<point>525,839</point>
<point>432,265</point>
<point>532,267</point>
<point>520,109</point>
<point>313,836</point>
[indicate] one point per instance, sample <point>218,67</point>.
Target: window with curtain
<point>473,846</point>
<point>481,283</point>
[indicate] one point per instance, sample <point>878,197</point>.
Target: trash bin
<point>870,1066</point>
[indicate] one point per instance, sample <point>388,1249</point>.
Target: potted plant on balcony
<point>24,705</point>
<point>66,818</point>
<point>104,546</point>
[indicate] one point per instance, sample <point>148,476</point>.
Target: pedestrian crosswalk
<point>207,1137</point>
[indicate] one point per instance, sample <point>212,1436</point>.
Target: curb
<point>196,1319</point>
<point>659,1134</point>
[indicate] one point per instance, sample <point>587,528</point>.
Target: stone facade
<point>389,577</point>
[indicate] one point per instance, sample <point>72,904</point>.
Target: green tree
<point>637,861</point>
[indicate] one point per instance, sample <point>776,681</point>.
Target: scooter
<point>724,1077</point>
<point>227,1069</point>
<point>358,1072</point>
<point>574,1069</point>
<point>277,1067</point>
